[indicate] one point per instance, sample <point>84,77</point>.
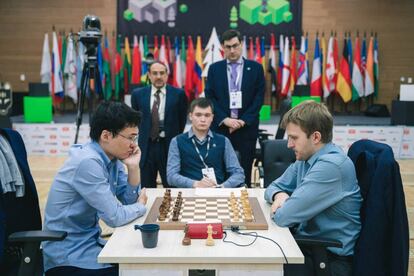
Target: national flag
<point>251,50</point>
<point>376,67</point>
<point>99,57</point>
<point>141,51</point>
<point>106,71</point>
<point>293,65</point>
<point>364,57</point>
<point>56,84</point>
<point>70,70</point>
<point>119,72</point>
<point>316,82</point>
<point>177,77</point>
<point>350,62</point>
<point>244,47</point>
<point>162,57</point>
<point>46,66</point>
<point>156,50</point>
<point>330,72</point>
<point>80,59</point>
<point>136,63</point>
<point>280,69</point>
<point>343,85</point>
<point>213,52</point>
<point>325,85</point>
<point>303,71</point>
<point>183,55</point>
<point>189,86</point>
<point>369,72</point>
<point>258,55</point>
<point>63,51</point>
<point>272,62</point>
<point>127,65</point>
<point>263,53</point>
<point>357,80</point>
<point>198,68</point>
<point>286,69</point>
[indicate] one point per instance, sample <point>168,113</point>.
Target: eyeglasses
<point>234,46</point>
<point>133,139</point>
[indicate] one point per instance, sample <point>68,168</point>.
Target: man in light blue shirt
<point>319,193</point>
<point>93,185</point>
<point>201,158</point>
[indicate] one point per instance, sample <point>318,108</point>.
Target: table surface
<point>125,245</point>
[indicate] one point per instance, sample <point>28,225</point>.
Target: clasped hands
<point>279,199</point>
<point>233,124</point>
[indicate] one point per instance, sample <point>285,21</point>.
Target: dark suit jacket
<point>382,248</point>
<point>18,214</point>
<point>175,115</point>
<point>252,87</point>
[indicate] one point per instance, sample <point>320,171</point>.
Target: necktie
<point>155,119</point>
<point>233,87</point>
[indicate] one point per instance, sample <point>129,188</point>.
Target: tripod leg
<point>82,95</point>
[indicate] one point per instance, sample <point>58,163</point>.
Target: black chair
<point>383,245</point>
<point>277,157</point>
<point>20,221</point>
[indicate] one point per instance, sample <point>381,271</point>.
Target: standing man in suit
<point>236,88</point>
<point>164,114</point>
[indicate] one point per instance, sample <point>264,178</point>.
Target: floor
<point>44,168</point>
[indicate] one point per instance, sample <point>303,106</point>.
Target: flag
<point>350,62</point>
<point>70,70</point>
<point>293,65</point>
<point>369,71</point>
<point>343,85</point>
<point>316,82</point>
<point>330,72</point>
<point>357,80</point>
<point>79,64</point>
<point>119,73</point>
<point>189,86</point>
<point>263,53</point>
<point>213,52</point>
<point>303,71</point>
<point>162,56</point>
<point>156,50</point>
<point>106,72</point>
<point>183,55</point>
<point>45,68</point>
<point>177,77</point>
<point>251,50</point>
<point>136,63</point>
<point>63,52</point>
<point>272,62</point>
<point>376,67</point>
<point>141,51</point>
<point>244,47</point>
<point>56,85</point>
<point>325,87</point>
<point>286,69</point>
<point>258,55</point>
<point>364,58</point>
<point>99,57</point>
<point>198,68</point>
<point>127,65</point>
<point>280,69</point>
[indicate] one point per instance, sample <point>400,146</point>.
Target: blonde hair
<point>311,116</point>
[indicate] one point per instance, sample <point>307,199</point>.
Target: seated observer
<point>201,158</point>
<point>319,193</point>
<point>93,184</point>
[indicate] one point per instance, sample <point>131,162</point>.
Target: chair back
<point>285,106</point>
<point>277,157</point>
<point>383,244</point>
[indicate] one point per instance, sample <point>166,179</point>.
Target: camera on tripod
<point>90,36</point>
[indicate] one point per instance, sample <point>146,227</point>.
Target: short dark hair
<point>311,116</point>
<point>157,62</point>
<point>229,34</point>
<point>113,117</point>
<point>201,102</point>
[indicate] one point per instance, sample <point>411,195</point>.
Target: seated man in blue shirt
<point>200,158</point>
<point>93,184</point>
<point>319,192</point>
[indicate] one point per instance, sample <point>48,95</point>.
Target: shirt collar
<point>191,133</point>
<point>108,162</point>
<point>162,89</point>
<point>239,61</point>
<point>325,149</point>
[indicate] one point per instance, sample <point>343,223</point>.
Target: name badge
<point>235,100</point>
<point>209,173</point>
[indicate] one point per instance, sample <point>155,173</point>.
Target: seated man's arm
<point>286,183</point>
<point>320,189</point>
<point>92,184</point>
<point>232,167</point>
<point>174,177</point>
<point>126,192</point>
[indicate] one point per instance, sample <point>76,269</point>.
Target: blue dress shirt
<point>88,187</point>
<point>232,166</point>
<point>324,198</point>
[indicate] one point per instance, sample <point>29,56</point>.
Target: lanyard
<point>198,152</point>
<point>237,80</point>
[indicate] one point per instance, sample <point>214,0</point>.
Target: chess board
<point>214,209</point>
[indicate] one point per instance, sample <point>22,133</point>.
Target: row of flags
<point>352,76</point>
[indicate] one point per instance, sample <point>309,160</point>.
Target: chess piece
<point>187,240</point>
<point>209,241</point>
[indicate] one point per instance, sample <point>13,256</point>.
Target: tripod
<point>89,81</point>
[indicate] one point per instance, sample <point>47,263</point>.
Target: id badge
<point>209,173</point>
<point>236,100</point>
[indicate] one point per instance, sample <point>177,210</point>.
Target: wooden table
<point>171,258</point>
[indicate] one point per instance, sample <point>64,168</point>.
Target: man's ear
<point>105,135</point>
<point>317,137</point>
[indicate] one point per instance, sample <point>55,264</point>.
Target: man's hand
<point>132,161</point>
<point>233,124</point>
<point>280,198</point>
<point>204,183</point>
<point>143,197</point>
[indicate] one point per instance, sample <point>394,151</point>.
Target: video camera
<point>90,35</point>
